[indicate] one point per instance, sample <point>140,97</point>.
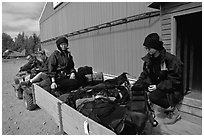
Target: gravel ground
<point>16,120</point>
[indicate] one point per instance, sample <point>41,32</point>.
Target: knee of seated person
<point>152,98</point>
<point>137,87</point>
<point>40,73</point>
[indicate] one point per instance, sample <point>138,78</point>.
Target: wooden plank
<point>167,47</point>
<point>166,21</point>
<point>166,27</point>
<point>191,110</point>
<point>181,127</point>
<point>47,101</point>
<point>164,17</point>
<point>73,123</point>
<point>191,118</point>
<point>192,102</point>
<point>165,37</point>
<point>167,42</point>
<point>166,32</point>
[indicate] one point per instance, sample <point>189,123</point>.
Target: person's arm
<point>52,68</point>
<point>52,65</point>
<point>72,69</point>
<point>141,82</point>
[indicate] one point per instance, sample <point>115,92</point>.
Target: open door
<point>189,49</point>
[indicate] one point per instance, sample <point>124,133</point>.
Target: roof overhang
<point>155,5</point>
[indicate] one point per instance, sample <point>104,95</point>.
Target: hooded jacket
<point>164,71</point>
<point>60,62</point>
<point>32,63</point>
<point>44,65</point>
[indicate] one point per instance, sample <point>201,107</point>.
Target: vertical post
<point>60,117</point>
<point>33,94</point>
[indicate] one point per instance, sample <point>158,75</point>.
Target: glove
<point>53,85</point>
<point>152,88</point>
<point>72,76</point>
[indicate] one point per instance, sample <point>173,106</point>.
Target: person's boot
<point>168,110</point>
<point>172,117</point>
<point>26,83</point>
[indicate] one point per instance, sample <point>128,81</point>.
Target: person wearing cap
<point>161,77</point>
<point>61,66</point>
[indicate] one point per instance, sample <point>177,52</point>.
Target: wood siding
<point>170,9</point>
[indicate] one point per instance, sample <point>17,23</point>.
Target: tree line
<point>30,43</point>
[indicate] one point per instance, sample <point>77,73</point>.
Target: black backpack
<point>102,110</point>
<point>138,112</point>
<point>81,72</point>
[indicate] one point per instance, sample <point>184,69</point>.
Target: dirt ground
<point>16,120</point>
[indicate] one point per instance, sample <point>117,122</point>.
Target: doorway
<point>189,49</point>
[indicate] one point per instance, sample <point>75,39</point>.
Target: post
<point>60,117</point>
<point>33,94</point>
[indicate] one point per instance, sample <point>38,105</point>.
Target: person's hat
<point>152,41</point>
<point>61,40</point>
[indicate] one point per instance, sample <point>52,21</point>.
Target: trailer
<point>68,119</point>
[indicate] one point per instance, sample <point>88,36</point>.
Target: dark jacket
<point>168,80</point>
<point>44,65</point>
<point>32,63</point>
<point>60,62</point>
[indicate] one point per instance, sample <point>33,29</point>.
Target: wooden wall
<point>168,11</point>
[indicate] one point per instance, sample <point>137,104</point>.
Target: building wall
<point>111,50</point>
<point>69,17</point>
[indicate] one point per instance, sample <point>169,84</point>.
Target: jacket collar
<point>147,57</point>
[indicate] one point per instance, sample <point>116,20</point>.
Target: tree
<point>30,43</point>
<point>7,42</point>
<point>36,41</point>
<point>20,42</point>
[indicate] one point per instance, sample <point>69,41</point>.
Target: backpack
<point>81,72</point>
<point>102,110</point>
<point>138,112</point>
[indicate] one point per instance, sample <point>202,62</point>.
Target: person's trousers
<point>65,84</point>
<point>159,98</point>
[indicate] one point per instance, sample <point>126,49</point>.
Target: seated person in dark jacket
<point>61,67</point>
<point>42,70</point>
<point>162,77</point>
<point>32,63</point>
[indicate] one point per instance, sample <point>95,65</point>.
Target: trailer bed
<point>68,119</point>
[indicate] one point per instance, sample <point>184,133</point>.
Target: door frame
<point>174,28</point>
<point>174,25</point>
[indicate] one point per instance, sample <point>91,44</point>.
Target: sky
<point>18,17</point>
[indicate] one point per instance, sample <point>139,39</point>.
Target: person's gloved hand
<point>53,85</point>
<point>152,88</point>
<point>72,76</point>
